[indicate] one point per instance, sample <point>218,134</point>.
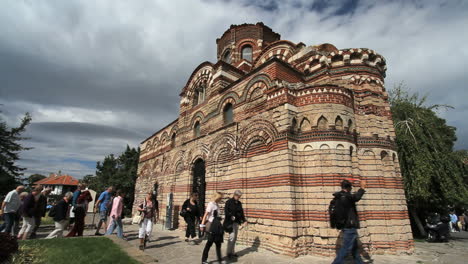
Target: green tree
<point>120,172</point>
<point>34,178</point>
<point>10,147</point>
<point>434,175</point>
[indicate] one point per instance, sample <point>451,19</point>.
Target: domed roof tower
<point>240,45</point>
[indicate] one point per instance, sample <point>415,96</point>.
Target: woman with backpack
<point>190,212</point>
<point>149,210</point>
<point>211,223</point>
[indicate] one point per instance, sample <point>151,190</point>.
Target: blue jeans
<point>350,236</point>
<point>9,222</point>
<point>116,223</point>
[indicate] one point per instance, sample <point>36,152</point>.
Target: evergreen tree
<point>434,175</point>
<point>10,148</point>
<point>120,172</point>
<point>34,178</point>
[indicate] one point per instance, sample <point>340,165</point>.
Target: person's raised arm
<point>358,195</point>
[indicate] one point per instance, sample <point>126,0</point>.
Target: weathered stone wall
<point>305,118</point>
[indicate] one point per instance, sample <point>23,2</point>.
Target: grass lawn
<point>71,250</point>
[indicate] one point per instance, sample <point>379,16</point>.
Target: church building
<point>284,123</point>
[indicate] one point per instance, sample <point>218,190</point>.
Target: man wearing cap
<point>350,222</point>
<point>234,217</point>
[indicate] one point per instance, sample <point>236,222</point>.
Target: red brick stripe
<point>290,179</point>
<point>311,215</point>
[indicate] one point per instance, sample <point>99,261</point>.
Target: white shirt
<point>212,206</point>
<point>12,202</point>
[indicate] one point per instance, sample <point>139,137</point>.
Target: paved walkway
<point>168,247</point>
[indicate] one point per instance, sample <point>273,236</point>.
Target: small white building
<point>60,184</point>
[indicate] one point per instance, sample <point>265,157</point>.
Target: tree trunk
<point>418,222</point>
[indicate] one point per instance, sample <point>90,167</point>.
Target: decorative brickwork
<point>304,118</point>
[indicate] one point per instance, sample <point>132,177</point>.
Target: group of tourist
<point>30,207</point>
<point>72,208</point>
<point>234,220</point>
<point>458,222</point>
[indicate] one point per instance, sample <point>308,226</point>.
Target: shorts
<point>103,215</point>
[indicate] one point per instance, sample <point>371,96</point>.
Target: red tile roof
<point>55,179</point>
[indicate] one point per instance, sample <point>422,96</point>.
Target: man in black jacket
<point>234,218</point>
<point>40,211</point>
<point>349,222</point>
<point>61,214</point>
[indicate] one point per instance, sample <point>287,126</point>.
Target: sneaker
<point>141,247</point>
<point>205,262</point>
<point>98,234</point>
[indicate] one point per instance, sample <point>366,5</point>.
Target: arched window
<point>247,52</point>
<point>227,56</point>
<point>228,114</point>
<point>322,123</point>
<point>350,126</point>
<point>196,129</point>
<point>293,125</point>
<point>173,140</point>
<point>199,95</point>
<point>338,123</point>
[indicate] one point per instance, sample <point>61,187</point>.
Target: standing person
<point>81,207</point>
<point>41,208</point>
<point>102,204</point>
<point>76,194</point>
<point>234,218</point>
<point>116,215</point>
<point>348,221</point>
<point>10,207</point>
<point>454,222</point>
<point>191,213</point>
<point>27,212</point>
<point>149,210</point>
<point>60,212</point>
<point>212,225</point>
<point>461,220</point>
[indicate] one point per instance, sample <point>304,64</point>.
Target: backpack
<point>216,229</point>
<point>337,212</point>
<point>53,211</point>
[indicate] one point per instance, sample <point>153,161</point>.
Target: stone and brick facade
<point>284,123</point>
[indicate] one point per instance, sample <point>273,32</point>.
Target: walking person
<point>346,219</point>
<point>81,207</point>
<point>149,210</point>
<point>465,217</point>
<point>40,211</point>
<point>10,207</point>
<point>27,212</point>
<point>234,219</point>
<point>211,224</point>
<point>190,212</point>
<point>76,194</point>
<point>60,212</point>
<point>102,206</point>
<point>116,215</point>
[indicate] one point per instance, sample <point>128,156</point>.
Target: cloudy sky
<point>97,75</point>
